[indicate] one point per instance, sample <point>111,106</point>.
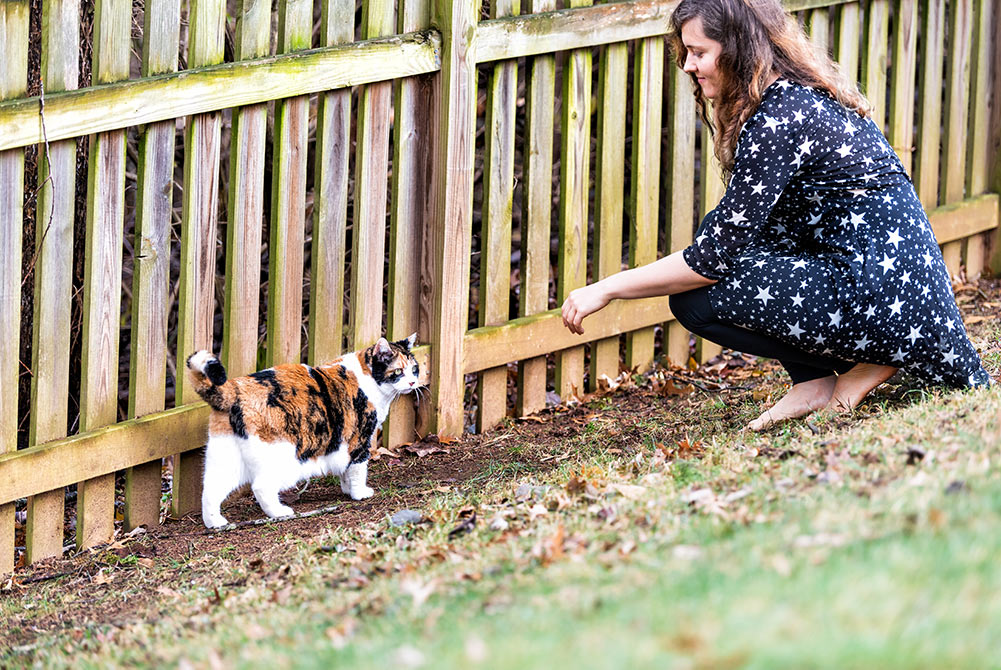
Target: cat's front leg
<point>353,481</point>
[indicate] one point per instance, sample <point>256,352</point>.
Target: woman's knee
<point>692,309</point>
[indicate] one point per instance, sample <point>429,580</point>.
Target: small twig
<point>48,179</point>
<point>263,522</point>
<point>45,578</point>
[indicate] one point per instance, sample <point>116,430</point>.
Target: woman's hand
<point>581,302</point>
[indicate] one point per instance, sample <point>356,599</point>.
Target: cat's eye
<point>415,370</point>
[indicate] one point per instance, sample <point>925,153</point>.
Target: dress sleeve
<point>771,150</point>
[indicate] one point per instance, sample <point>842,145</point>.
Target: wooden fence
<point>365,122</point>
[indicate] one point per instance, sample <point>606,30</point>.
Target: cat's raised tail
<point>209,379</point>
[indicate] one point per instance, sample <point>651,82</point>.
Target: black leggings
<point>694,311</point>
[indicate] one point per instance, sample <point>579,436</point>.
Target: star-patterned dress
<point>820,241</point>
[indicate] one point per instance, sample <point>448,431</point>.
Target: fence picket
<point>952,180</point>
<point>53,284</point>
<point>820,27</point>
<point>330,198</point>
<point>979,140</point>
<point>679,157</point>
<point>495,238</point>
<point>905,40</point>
<point>536,212</point>
<point>847,35</point>
<point>609,197</point>
<point>648,93</point>
<point>13,80</point>
<point>409,214</point>
<point>712,190</point>
<point>874,59</point>
<point>929,133</point>
<point>574,182</point>
<point>288,198</point>
<point>196,309</point>
<point>245,203</point>
<point>102,292</point>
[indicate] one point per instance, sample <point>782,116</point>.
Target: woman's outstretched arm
<point>666,276</point>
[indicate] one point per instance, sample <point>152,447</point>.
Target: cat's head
<point>393,363</point>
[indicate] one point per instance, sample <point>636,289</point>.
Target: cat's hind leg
<point>353,481</point>
<point>224,472</point>
<point>273,468</point>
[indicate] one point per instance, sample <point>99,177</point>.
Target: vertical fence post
<point>102,291</point>
<point>412,160</point>
<point>495,238</point>
<point>575,159</point>
<point>151,251</point>
<point>452,223</point>
<point>712,192</point>
<point>53,284</point>
<point>368,236</point>
<point>929,133</point>
<point>679,157</point>
<point>648,100</point>
<point>196,308</point>
<point>13,83</point>
<point>952,178</point>
<point>978,143</point>
<point>288,197</point>
<point>245,204</point>
<point>536,211</point>
<point>994,176</point>
<point>905,41</point>
<point>330,197</point>
<point>609,195</point>
<point>874,58</point>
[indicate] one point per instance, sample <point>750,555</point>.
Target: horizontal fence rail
<point>450,162</point>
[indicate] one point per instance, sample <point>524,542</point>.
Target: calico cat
<point>277,427</point>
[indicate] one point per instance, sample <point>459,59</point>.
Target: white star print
<point>857,219</point>
<point>895,239</point>
<point>815,198</point>
<point>763,295</point>
<point>795,330</point>
<point>806,146</point>
<point>771,124</point>
<point>858,192</point>
<point>895,306</point>
<point>738,217</point>
<point>820,339</point>
<point>797,301</point>
<point>799,265</point>
<point>835,318</point>
<point>844,150</point>
<point>887,263</point>
<point>797,116</point>
<point>915,335</point>
<point>870,312</point>
<point>758,188</point>
<point>863,343</point>
<point>899,356</point>
<point>849,128</point>
<point>950,357</point>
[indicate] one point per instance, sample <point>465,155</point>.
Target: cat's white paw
<point>214,520</point>
<point>345,485</point>
<point>361,492</point>
<point>278,511</point>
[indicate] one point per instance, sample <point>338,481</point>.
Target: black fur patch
<point>236,420</point>
<point>367,423</point>
<point>334,418</point>
<point>268,378</point>
<point>215,372</point>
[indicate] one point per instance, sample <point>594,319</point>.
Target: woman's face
<point>701,55</point>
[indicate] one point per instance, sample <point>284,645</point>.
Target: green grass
<point>813,546</point>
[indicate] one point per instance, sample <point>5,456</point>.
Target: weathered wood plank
<point>648,93</point>
<point>286,248</point>
<point>610,175</point>
<point>245,216</point>
<point>495,238</point>
<point>151,260</point>
<point>201,90</point>
<point>575,158</point>
<point>53,284</point>
<point>330,198</point>
<point>929,133</point>
<point>13,83</point>
<point>820,27</point>
<point>199,223</point>
<point>536,211</point>
<point>103,273</point>
<point>368,238</point>
<point>542,31</point>
<point>952,175</point>
<point>957,221</point>
<point>409,214</point>
<point>712,189</point>
<point>994,139</point>
<point>874,58</point>
<point>452,221</point>
<point>679,161</point>
<point>979,131</point>
<point>905,42</point>
<point>848,34</point>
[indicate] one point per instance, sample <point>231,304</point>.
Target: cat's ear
<point>410,342</point>
<point>382,347</point>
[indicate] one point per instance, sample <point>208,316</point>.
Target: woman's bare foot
<point>855,384</point>
<point>802,399</point>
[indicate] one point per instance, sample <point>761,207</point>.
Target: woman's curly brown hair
<point>758,38</point>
